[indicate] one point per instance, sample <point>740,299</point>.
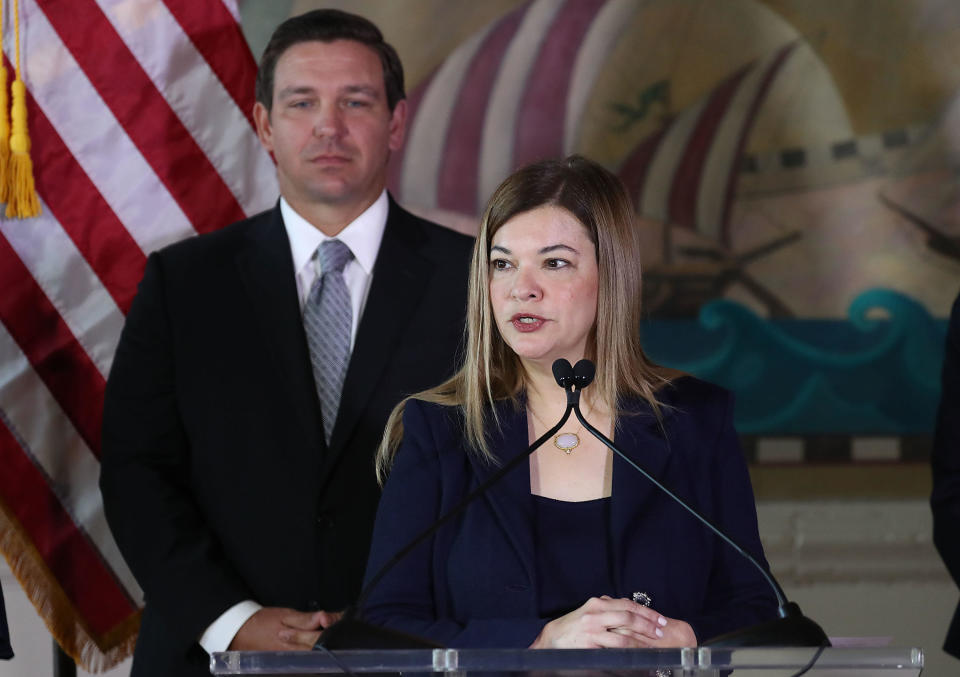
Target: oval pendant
<point>566,442</point>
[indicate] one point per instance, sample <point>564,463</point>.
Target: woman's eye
<point>499,264</point>
<point>556,263</point>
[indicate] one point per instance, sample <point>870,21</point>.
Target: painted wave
<point>875,373</point>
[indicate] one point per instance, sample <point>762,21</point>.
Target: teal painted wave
<point>877,372</point>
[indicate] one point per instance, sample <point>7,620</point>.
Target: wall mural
<point>795,171</point>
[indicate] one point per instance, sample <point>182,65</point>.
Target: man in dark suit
<point>945,500</point>
<point>255,373</point>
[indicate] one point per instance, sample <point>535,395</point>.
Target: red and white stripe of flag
<point>140,119</point>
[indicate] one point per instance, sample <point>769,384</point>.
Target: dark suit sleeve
<point>945,500</point>
<point>406,598</point>
<point>737,594</point>
<point>6,651</point>
<point>945,461</point>
<point>146,476</point>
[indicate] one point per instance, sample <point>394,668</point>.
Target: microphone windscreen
<point>562,372</point>
<point>583,373</point>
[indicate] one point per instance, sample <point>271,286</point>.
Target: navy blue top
<point>573,553</point>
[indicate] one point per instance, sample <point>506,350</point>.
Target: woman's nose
<point>526,288</point>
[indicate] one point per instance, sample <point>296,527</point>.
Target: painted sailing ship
<point>517,91</point>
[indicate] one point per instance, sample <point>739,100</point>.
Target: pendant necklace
<point>564,441</point>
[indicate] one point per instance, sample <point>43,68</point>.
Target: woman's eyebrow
<point>555,247</point>
<point>544,250</point>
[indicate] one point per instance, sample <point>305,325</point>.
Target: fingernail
<point>662,621</point>
<point>285,635</point>
<point>659,632</point>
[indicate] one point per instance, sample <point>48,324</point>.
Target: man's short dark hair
<point>327,25</point>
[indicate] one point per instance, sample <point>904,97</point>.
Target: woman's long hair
<point>491,370</point>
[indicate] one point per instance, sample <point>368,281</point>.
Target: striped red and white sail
<point>517,91</point>
<point>141,130</point>
<point>685,173</point>
<point>513,93</point>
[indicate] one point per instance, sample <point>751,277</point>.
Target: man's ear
<point>398,125</point>
<point>261,118</point>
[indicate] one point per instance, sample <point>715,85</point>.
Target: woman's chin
<point>543,359</point>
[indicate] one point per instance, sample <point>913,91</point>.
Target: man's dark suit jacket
<point>216,479</point>
<point>475,585</point>
<point>945,499</point>
<point>5,650</point>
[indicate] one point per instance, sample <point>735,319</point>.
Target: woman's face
<point>543,285</point>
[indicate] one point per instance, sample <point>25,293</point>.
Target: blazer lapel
<point>640,438</point>
<point>509,499</point>
<point>399,276</point>
<point>265,268</point>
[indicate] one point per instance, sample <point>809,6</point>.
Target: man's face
<point>330,130</point>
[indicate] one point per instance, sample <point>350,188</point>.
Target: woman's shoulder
<point>439,420</point>
<point>689,391</point>
<point>688,401</point>
<point>429,411</point>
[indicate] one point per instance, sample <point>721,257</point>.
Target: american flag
<point>142,134</point>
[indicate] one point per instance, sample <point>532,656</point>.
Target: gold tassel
<point>22,201</point>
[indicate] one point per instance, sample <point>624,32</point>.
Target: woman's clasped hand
<point>608,623</point>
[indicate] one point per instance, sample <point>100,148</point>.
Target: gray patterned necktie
<point>327,320</point>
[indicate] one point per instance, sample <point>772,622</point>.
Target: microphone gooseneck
<point>792,628</point>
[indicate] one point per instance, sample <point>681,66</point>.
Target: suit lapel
<point>265,267</point>
<point>399,277</point>
<point>639,437</point>
<point>509,499</point>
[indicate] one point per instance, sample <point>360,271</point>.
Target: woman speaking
<point>574,549</point>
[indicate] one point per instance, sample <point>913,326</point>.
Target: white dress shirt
<point>363,235</point>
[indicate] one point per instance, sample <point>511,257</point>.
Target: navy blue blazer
<point>474,584</point>
<point>945,460</point>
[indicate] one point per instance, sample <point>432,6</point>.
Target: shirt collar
<point>362,235</point>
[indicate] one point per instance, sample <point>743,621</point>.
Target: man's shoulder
<point>427,234</point>
<point>223,242</point>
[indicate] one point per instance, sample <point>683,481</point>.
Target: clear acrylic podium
<point>699,662</point>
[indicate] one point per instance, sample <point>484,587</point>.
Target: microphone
<point>350,632</point>
<point>563,373</point>
<point>583,373</point>
<point>791,628</point>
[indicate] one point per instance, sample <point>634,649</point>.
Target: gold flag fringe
<point>22,201</point>
<point>93,653</point>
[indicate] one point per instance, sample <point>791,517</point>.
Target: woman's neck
<point>548,399</point>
